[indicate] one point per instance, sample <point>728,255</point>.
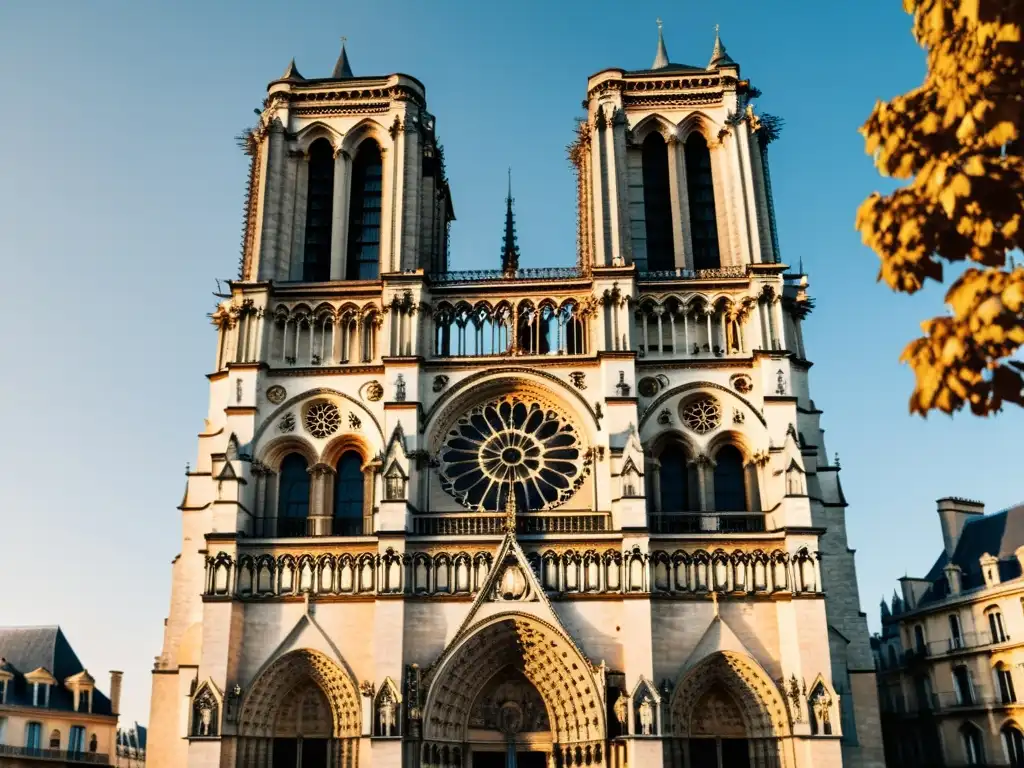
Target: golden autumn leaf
<point>957,139</point>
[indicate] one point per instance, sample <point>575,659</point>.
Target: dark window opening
<point>730,488</point>
<point>294,494</point>
<point>657,204</point>
<point>316,257</point>
<point>701,191</point>
<point>365,213</point>
<point>348,487</point>
<point>674,480</point>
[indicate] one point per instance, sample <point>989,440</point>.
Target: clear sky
<point>121,200</point>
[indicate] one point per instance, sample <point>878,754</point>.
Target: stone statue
<point>205,718</point>
<point>400,388</point>
<point>646,716</point>
<point>621,710</point>
<point>386,710</point>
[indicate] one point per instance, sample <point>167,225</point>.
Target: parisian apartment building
<point>514,516</point>
<point>52,711</point>
<point>949,656</point>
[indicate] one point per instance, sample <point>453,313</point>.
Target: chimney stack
<point>115,691</point>
<point>954,513</point>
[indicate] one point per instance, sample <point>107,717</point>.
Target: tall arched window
<point>674,480</point>
<point>316,257</point>
<point>730,487</point>
<point>995,625</point>
<point>365,213</point>
<point>657,203</point>
<point>293,496</point>
<point>348,494</point>
<point>1013,745</point>
<point>701,191</point>
<point>1004,678</point>
<point>971,738</point>
<point>919,644</point>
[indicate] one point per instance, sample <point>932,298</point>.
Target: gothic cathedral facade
<point>577,516</point>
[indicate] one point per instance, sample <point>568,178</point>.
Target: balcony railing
<point>692,522</point>
<point>303,527</point>
<point>482,524</point>
<point>965,642</point>
<point>694,274</point>
<point>57,755</point>
<point>497,275</point>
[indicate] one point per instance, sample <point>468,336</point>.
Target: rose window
<point>322,419</point>
<point>702,415</point>
<point>512,443</point>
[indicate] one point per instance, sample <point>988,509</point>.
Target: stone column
<point>597,148</point>
<point>271,194</point>
<point>339,215</point>
<point>682,248</point>
<point>369,471</point>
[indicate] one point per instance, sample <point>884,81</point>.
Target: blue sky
<point>121,199</point>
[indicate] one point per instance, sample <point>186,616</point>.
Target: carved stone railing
<point>55,755</point>
<point>711,522</point>
<point>483,524</point>
<point>693,274</point>
<point>497,275</point>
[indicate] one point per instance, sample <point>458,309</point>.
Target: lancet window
<point>730,484</point>
<point>701,192</point>
<point>481,330</point>
<point>293,495</point>
<point>325,336</point>
<point>674,481</point>
<point>348,495</point>
<point>316,256</point>
<point>657,204</point>
<point>365,213</point>
<point>694,328</point>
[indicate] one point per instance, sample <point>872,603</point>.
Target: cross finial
<point>714,600</point>
<point>658,21</point>
<point>716,30</point>
<point>344,39</point>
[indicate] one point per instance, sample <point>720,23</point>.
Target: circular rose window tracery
<point>702,415</point>
<point>512,442</point>
<point>322,419</point>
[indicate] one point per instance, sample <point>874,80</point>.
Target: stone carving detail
<point>742,383</point>
<point>400,388</point>
<point>353,421</point>
<point>780,388</point>
<point>621,710</point>
<point>665,416</point>
<point>276,394</point>
<point>440,382</point>
<point>578,379</point>
<point>738,417</point>
<point>622,388</point>
<point>511,706</point>
<point>205,713</point>
<point>322,419</point>
<point>387,708</point>
<point>512,444</point>
<point>646,711</point>
<point>287,423</point>
<point>702,415</point>
<point>648,386</point>
<point>374,391</point>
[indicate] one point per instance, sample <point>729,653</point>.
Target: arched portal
<point>726,711</point>
<point>515,683</point>
<point>302,710</point>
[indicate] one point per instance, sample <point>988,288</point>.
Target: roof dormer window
<point>81,686</point>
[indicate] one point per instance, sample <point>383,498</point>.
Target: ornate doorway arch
<point>726,711</point>
<point>526,663</point>
<point>303,706</point>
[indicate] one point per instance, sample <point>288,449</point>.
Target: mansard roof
<point>26,649</point>
<point>999,535</point>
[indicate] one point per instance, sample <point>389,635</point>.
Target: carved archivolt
<point>546,659</point>
<point>263,703</point>
<point>744,683</point>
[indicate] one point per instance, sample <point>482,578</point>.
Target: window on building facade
<point>364,223</point>
<point>348,492</point>
<point>962,686</point>
<point>54,739</point>
<point>93,745</point>
<point>3,691</point>
<point>33,735</point>
<point>956,637</point>
<point>76,739</point>
<point>1004,678</point>
<point>674,480</point>
<point>971,739</point>
<point>730,487</point>
<point>293,497</point>
<point>919,644</point>
<point>701,191</point>
<point>995,625</point>
<point>316,256</point>
<point>1013,746</point>
<point>657,204</point>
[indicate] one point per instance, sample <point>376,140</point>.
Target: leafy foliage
<point>958,139</point>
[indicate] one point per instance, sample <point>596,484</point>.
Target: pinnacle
<point>342,69</point>
<point>292,72</point>
<point>661,57</point>
<point>719,56</point>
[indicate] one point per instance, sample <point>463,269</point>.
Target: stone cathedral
<point>513,517</point>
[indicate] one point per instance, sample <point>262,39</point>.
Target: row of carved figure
<point>570,571</point>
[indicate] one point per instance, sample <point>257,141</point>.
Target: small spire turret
<point>661,57</point>
<point>292,72</point>
<point>719,56</point>
<point>342,69</point>
<point>509,246</point>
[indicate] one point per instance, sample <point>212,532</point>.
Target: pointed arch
<point>366,210</point>
<point>316,253</point>
<point>657,203</point>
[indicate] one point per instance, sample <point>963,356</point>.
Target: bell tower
<point>346,180</point>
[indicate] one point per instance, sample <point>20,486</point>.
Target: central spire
<point>661,57</point>
<point>342,69</point>
<point>509,248</point>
